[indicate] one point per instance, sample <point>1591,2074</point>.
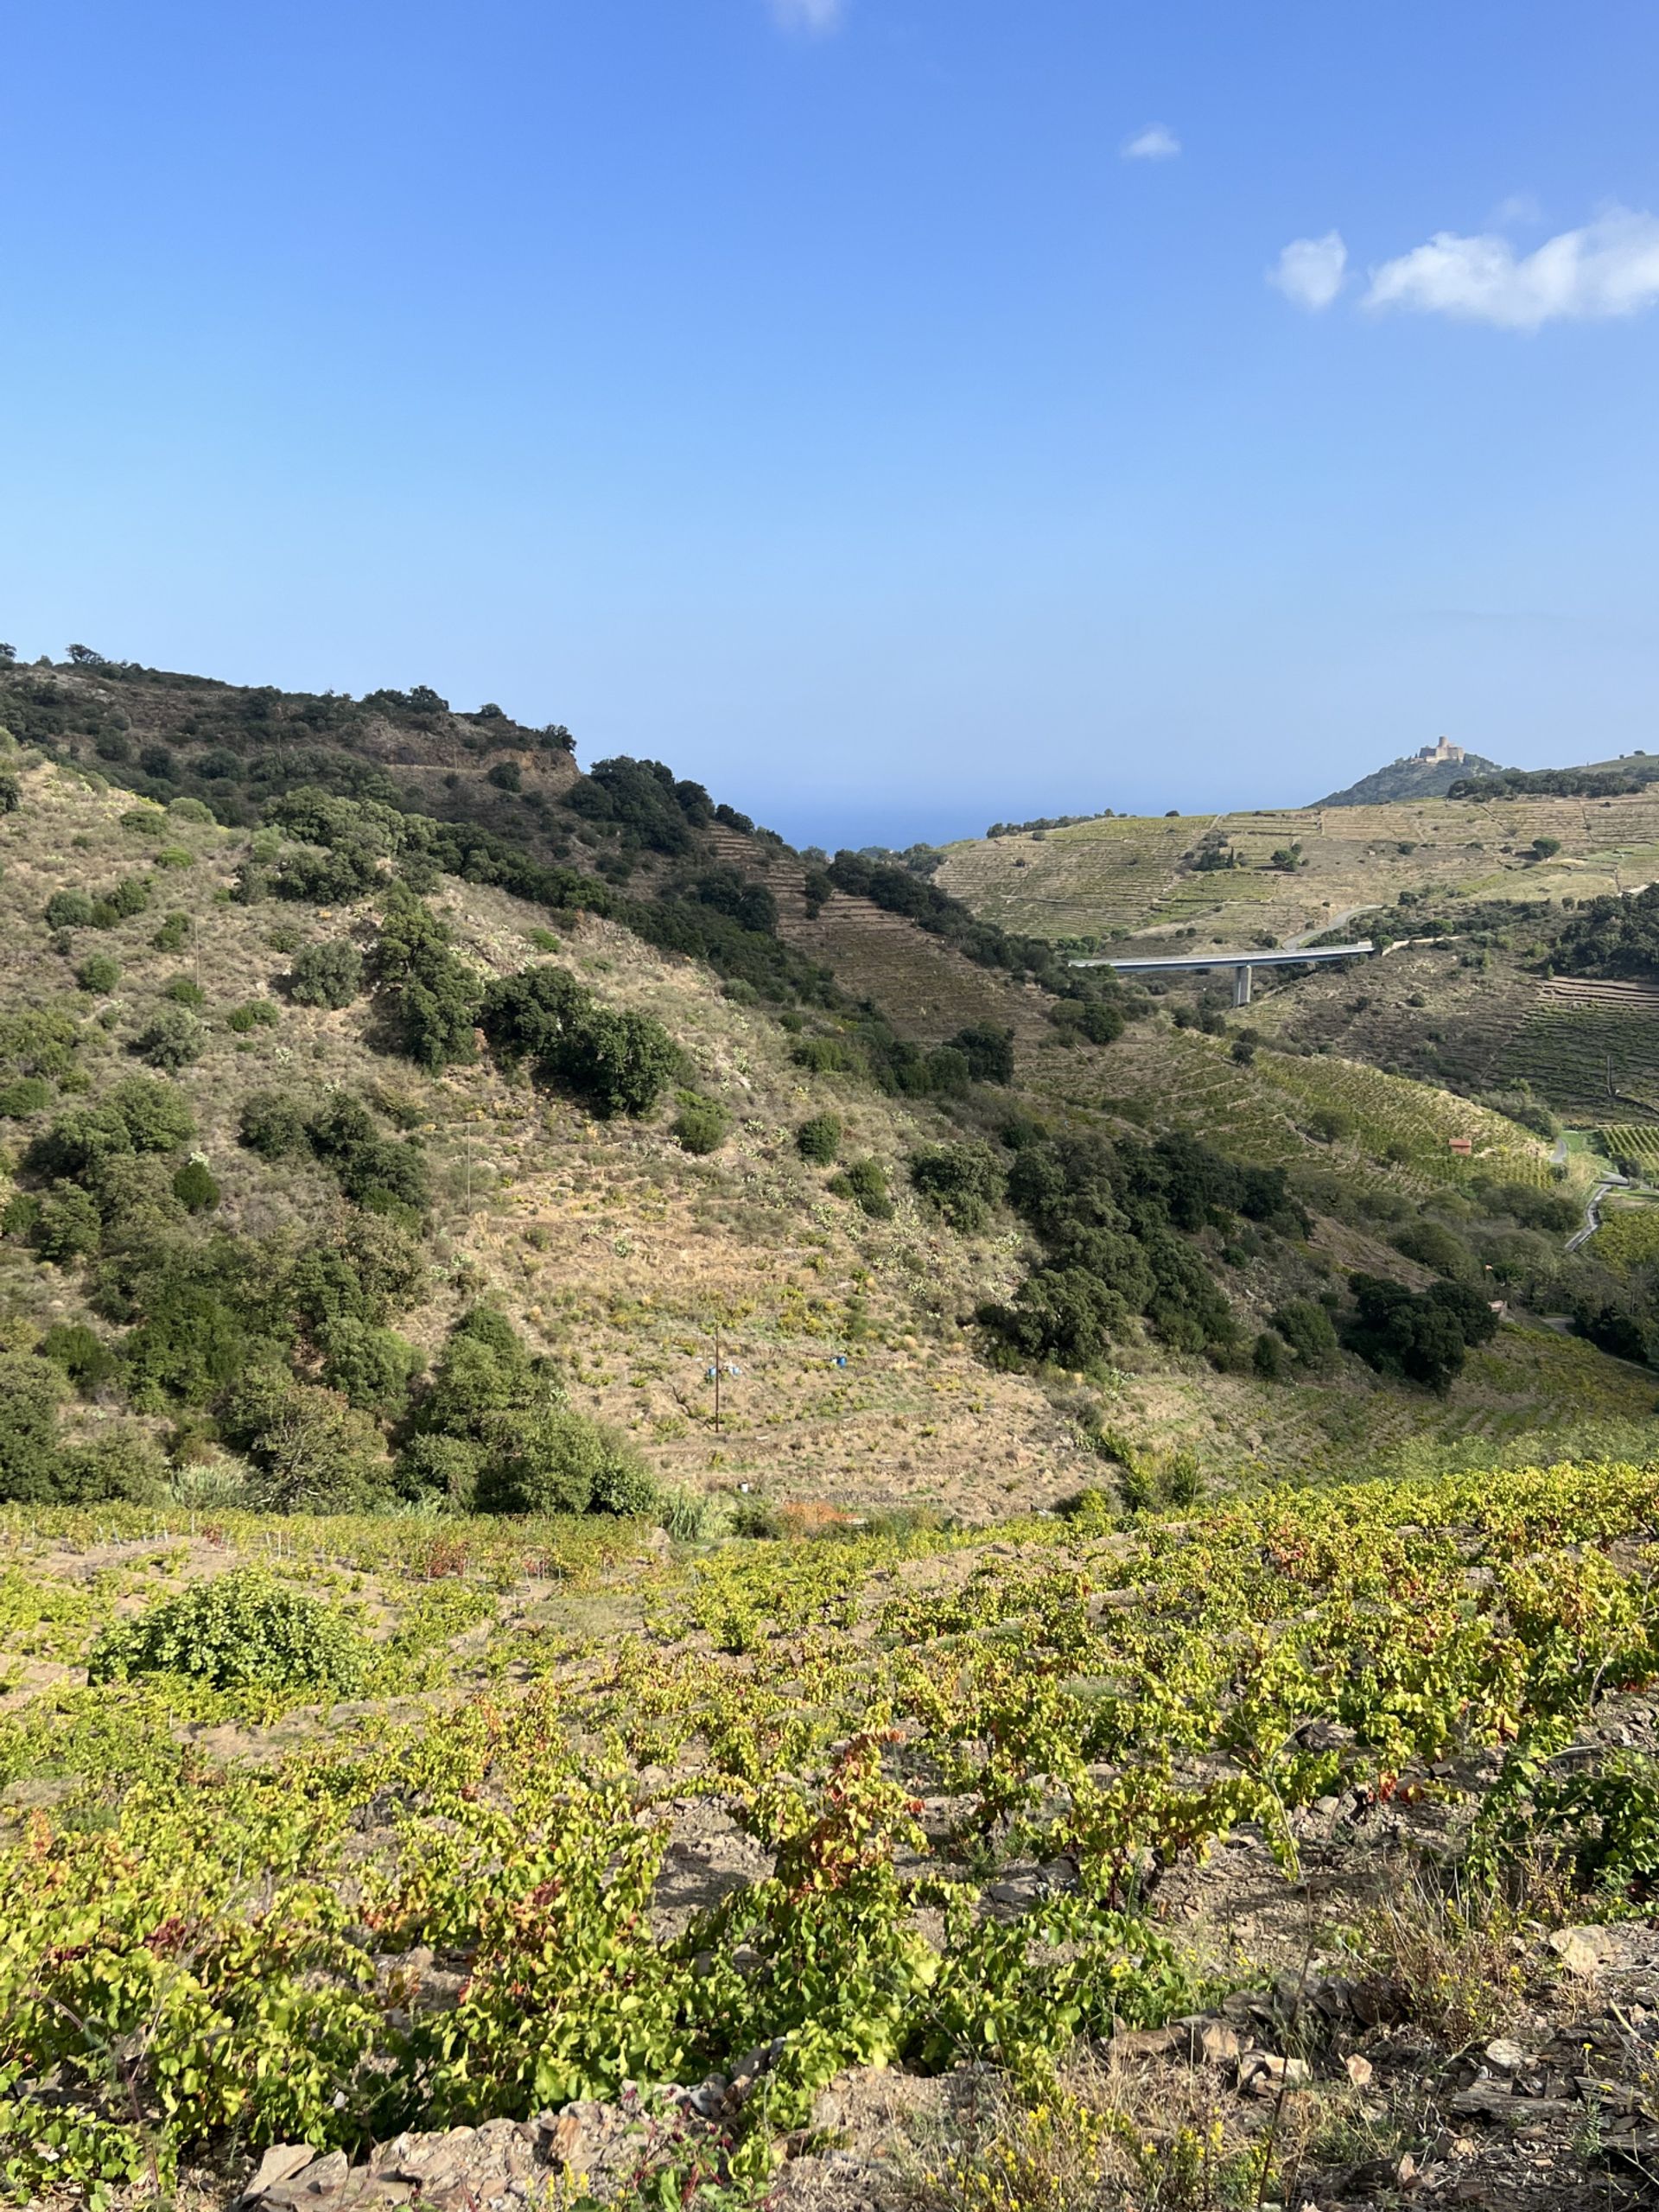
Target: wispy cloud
<point>1310,271</point>
<point>1609,268</point>
<point>816,16</point>
<point>1157,142</point>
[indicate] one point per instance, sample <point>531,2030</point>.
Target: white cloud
<point>1157,142</point>
<point>1609,268</point>
<point>1310,271</point>
<point>817,16</point>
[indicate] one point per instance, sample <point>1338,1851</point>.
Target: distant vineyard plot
<point>1137,875</point>
<point>1591,1049</point>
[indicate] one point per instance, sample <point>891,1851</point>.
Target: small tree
<point>701,1125</point>
<point>98,973</point>
<point>960,1181</point>
<point>428,998</point>
<point>327,975</point>
<point>194,1188</point>
<point>865,1182</point>
<point>174,1039</point>
<point>819,1139</point>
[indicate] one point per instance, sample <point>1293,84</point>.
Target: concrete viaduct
<point>1241,963</point>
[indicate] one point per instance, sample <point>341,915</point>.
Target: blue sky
<point>897,413</point>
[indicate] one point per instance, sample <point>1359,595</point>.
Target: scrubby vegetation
<point>544,1291</point>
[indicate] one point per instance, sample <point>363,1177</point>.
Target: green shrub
<point>373,1171</point>
<point>183,992</point>
<point>156,1116</point>
<point>367,1267</point>
<point>701,1125</point>
<point>440,1467</point>
<point>427,998</point>
<point>68,1226</point>
<point>175,856</point>
<point>244,1629</point>
<point>31,1390</point>
<point>483,1370</point>
<point>1268,1356</point>
<point>189,809</point>
<point>19,1214</point>
<point>1182,1479</point>
<point>11,792</point>
<point>29,1095</point>
<point>172,933</point>
<point>826,1055</point>
<point>1435,1246</point>
<point>254,1013</point>
<point>865,1182</point>
<point>963,1182</point>
<point>274,1123</point>
<point>84,1356</point>
<point>616,1063</point>
<point>1422,1338</point>
<point>124,1466</point>
<point>99,973</point>
<point>372,1367</point>
<point>1308,1330</point>
<point>310,1450</point>
<point>558,1461</point>
<point>129,897</point>
<point>194,1188</point>
<point>819,1139</point>
<point>134,1195</point>
<point>68,910</point>
<point>327,975</point>
<point>988,1051</point>
<point>1066,1315</point>
<point>174,1039</point>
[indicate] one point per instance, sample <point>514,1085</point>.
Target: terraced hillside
<point>924,986</point>
<point>1133,879</point>
<point>859,1384</point>
<point>1592,1046</point>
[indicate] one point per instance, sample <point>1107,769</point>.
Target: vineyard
<point>1124,875</point>
<point>1409,1123</point>
<point>597,1816</point>
<point>1635,1141</point>
<point>1592,1051</point>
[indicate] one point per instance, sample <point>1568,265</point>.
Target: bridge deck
<point>1200,960</point>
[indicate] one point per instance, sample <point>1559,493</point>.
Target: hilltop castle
<point>1434,756</point>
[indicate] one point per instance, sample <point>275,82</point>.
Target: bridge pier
<point>1241,986</point>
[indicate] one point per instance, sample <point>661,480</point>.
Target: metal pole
<point>716,1382</point>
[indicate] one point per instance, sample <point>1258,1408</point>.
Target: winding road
<point>1592,1209</point>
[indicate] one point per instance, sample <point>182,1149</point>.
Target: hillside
<point>844,995</point>
<point>676,1525</point>
<point>1411,777</point>
<point>1137,880</point>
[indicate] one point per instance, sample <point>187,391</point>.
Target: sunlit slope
<point>1135,876</point>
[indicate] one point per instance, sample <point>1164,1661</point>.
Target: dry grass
<point>1099,2138</point>
<point>1458,1962</point>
